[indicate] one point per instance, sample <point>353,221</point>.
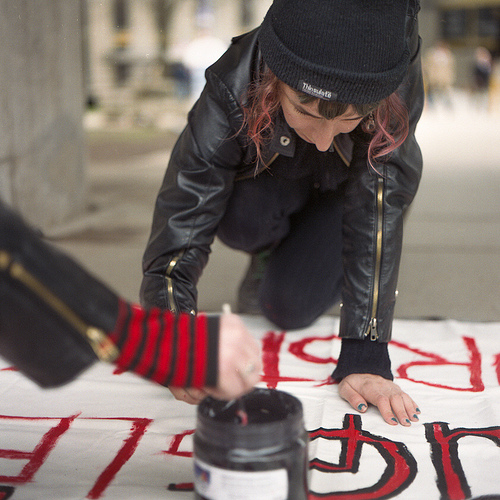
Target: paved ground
<point>451,261</point>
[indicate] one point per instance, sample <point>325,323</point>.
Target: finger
<point>347,392</point>
<point>399,409</point>
<point>404,408</point>
<point>181,395</point>
<point>384,407</point>
<point>238,382</point>
<point>239,357</point>
<point>230,387</point>
<point>197,395</point>
<point>411,408</point>
<point>250,373</point>
<point>184,395</point>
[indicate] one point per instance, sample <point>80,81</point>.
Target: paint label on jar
<point>214,483</point>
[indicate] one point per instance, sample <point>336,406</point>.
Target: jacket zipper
<point>372,331</point>
<point>170,281</point>
<point>103,347</point>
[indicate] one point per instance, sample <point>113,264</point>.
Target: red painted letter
<point>401,465</point>
<point>451,479</point>
<point>37,457</point>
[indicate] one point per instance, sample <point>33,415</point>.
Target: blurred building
<point>464,25</point>
<point>123,54</point>
<point>133,48</point>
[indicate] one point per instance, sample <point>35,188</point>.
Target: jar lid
<point>261,418</point>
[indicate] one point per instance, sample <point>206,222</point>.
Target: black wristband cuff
<point>213,325</point>
<point>363,356</point>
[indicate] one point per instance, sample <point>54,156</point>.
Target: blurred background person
<point>439,73</point>
<point>481,71</point>
<point>199,54</point>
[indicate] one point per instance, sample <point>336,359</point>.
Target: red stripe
<point>134,336</point>
<point>152,332</point>
<point>120,321</point>
<point>200,352</point>
<point>164,357</point>
<point>179,378</point>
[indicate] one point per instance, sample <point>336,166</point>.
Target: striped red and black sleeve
<point>178,350</point>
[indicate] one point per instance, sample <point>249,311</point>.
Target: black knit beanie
<point>350,51</point>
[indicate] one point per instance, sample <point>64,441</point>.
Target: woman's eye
<point>299,111</point>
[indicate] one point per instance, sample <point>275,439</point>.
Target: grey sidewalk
<point>451,259</point>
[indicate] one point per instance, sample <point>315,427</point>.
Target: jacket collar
<point>285,139</point>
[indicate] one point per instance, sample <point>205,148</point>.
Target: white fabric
<point>119,437</point>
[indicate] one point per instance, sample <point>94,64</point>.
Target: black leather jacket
<point>210,156</point>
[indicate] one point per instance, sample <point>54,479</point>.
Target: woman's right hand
<point>239,364</point>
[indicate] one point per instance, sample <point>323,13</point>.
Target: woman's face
<point>310,125</point>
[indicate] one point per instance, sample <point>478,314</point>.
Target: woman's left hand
<point>359,389</point>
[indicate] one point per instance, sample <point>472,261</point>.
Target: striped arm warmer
<point>179,350</point>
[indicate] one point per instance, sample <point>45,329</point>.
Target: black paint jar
<point>251,448</point>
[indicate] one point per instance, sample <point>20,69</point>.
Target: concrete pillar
<point>41,101</point>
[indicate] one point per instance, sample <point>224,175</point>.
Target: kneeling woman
<point>301,152</point>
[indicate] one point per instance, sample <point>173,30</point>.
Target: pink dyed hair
<point>390,116</point>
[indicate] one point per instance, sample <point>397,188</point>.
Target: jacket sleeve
<point>192,200</point>
<point>57,319</point>
<point>373,218</point>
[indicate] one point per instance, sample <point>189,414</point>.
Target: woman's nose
<point>324,134</point>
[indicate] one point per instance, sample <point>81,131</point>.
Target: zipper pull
<point>372,330</point>
<point>102,345</point>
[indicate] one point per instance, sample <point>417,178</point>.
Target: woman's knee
<point>287,318</point>
<point>291,309</point>
<point>291,315</point>
<point>251,231</point>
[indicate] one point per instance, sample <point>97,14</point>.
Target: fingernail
<point>408,422</point>
<point>362,407</point>
<point>394,419</point>
<point>415,416</point>
<point>418,410</point>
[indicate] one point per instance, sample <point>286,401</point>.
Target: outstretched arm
<point>56,319</point>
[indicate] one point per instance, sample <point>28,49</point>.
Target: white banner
<point>117,437</point>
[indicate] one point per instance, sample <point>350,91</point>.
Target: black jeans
<point>304,229</point>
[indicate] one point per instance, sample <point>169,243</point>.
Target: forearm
<point>173,350</point>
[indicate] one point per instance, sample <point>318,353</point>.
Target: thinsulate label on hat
<point>307,88</point>
<point>214,483</point>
